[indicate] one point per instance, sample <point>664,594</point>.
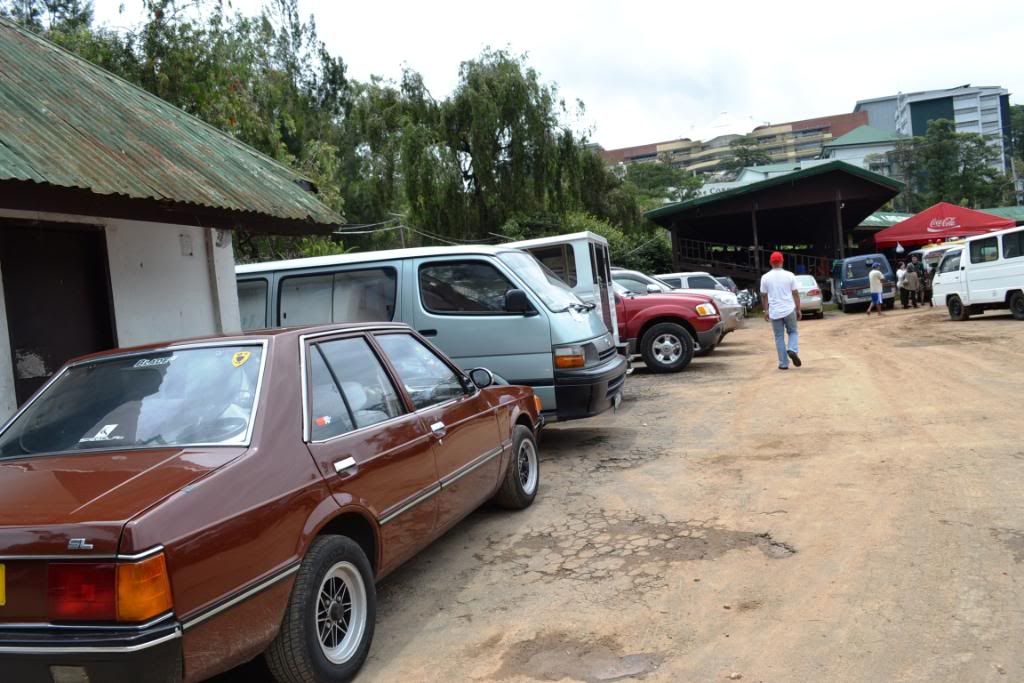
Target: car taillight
<point>130,591</point>
<point>143,589</point>
<point>82,592</point>
<point>814,292</point>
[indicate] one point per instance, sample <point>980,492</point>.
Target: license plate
<point>3,587</point>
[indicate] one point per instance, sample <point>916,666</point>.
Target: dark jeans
<point>904,297</point>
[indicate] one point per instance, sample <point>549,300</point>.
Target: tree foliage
<point>502,149</point>
<point>946,166</point>
<point>744,151</point>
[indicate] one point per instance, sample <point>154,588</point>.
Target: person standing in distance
<point>876,282</point>
<point>780,299</point>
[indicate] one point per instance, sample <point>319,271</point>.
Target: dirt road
<point>856,519</point>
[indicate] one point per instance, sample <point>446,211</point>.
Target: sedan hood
<point>44,500</point>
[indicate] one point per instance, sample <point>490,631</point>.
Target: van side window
<point>427,378</point>
<point>984,250</point>
<point>950,262</point>
<point>463,287</point>
<point>252,304</point>
<point>366,295</point>
<point>1013,244</point>
<point>560,260</point>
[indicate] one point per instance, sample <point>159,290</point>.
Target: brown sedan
<point>172,511</point>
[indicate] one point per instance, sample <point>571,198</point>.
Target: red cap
<point>776,257</point>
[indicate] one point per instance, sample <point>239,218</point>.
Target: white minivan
<point>986,272</point>
<point>486,306</point>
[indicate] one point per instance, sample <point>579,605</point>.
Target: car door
<point>948,276</point>
<point>463,423</point>
<point>373,450</point>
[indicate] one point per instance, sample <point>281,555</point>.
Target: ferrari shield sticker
<point>240,358</point>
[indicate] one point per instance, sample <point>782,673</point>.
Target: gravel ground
<point>856,519</point>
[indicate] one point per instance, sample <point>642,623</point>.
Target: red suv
<point>666,329</point>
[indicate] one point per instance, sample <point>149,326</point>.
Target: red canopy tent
<point>936,223</point>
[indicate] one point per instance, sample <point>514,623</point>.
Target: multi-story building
<point>785,143</point>
<point>974,109</point>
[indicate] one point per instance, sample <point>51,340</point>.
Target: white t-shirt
<point>875,277</point>
<point>779,284</point>
<point>899,276</point>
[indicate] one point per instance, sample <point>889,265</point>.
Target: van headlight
<point>706,311</point>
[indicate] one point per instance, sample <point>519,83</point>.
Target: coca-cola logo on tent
<point>940,224</point>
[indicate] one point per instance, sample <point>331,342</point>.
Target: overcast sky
<point>652,71</point>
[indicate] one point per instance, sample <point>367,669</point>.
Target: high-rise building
<point>984,110</point>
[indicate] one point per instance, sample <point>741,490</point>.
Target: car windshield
<point>160,398</point>
<point>555,294</point>
<point>859,268</point>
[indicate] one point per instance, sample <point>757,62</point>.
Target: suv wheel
<point>329,622</point>
<point>666,347</point>
<point>957,310</point>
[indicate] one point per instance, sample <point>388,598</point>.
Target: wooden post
<point>839,225</point>
<point>757,246</point>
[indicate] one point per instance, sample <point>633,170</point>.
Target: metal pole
<point>839,225</point>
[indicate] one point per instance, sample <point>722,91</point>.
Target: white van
<point>487,306</point>
<point>581,260</point>
<point>986,272</point>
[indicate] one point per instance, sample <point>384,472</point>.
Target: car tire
<point>522,474</point>
<point>1017,305</point>
<point>333,565</point>
<point>666,347</point>
<point>957,310</point>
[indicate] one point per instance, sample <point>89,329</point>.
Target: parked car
<point>728,305</point>
<point>810,295</point>
<point>483,305</point>
<point>986,273</point>
<point>748,298</point>
<point>171,511</point>
<point>581,261</point>
<point>728,283</point>
<point>850,285</point>
<point>667,330</point>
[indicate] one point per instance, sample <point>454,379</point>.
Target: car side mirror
<point>517,302</point>
<point>653,289</point>
<point>482,377</point>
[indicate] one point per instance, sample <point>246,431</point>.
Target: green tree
<point>1016,141</point>
<point>744,151</point>
<point>660,182</point>
<point>958,167</point>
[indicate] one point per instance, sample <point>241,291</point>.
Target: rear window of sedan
<point>196,396</point>
<point>806,281</point>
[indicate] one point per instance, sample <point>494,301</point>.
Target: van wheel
<point>666,347</point>
<point>957,310</point>
<point>328,625</point>
<point>522,476</point>
<point>1017,305</point>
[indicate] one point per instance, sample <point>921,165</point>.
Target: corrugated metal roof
<point>68,123</point>
<point>1014,212</point>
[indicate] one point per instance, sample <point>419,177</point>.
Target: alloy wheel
<point>526,465</point>
<point>341,612</point>
<point>667,349</point>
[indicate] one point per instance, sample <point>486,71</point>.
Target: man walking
<point>780,299</point>
<point>876,283</point>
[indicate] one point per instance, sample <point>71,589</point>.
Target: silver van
<point>494,307</point>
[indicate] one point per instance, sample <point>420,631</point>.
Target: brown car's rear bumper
<point>53,653</point>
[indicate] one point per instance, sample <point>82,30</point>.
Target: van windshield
<point>159,398</point>
<point>859,268</point>
<point>555,294</point>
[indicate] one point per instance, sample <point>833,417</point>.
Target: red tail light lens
<point>82,592</point>
<point>814,292</point>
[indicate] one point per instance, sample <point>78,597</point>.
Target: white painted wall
<point>168,282</point>
<point>163,285</point>
<point>856,154</point>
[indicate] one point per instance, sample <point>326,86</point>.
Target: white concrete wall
<point>167,281</point>
<point>856,154</point>
<point>164,285</point>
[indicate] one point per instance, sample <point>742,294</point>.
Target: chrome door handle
<point>342,465</point>
<point>438,429</point>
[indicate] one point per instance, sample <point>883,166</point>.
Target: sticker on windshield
<point>105,434</point>
<point>240,358</point>
<point>153,362</point>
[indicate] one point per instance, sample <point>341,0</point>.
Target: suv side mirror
<point>482,377</point>
<point>653,289</point>
<point>516,302</point>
